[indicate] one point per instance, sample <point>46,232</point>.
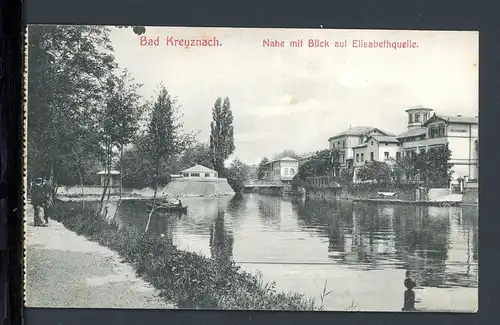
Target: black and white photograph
<point>251,169</point>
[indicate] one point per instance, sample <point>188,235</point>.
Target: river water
<point>359,251</point>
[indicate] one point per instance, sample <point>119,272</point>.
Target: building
<point>376,148</point>
<point>199,171</point>
<point>197,181</point>
<point>281,170</point>
<point>459,132</point>
<point>353,137</point>
<point>113,176</point>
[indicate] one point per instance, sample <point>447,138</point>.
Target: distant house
<point>281,170</point>
<point>199,171</point>
<point>114,178</point>
<point>426,131</point>
<point>197,181</point>
<point>376,148</point>
<point>355,136</point>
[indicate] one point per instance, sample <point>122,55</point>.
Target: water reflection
<point>439,246</point>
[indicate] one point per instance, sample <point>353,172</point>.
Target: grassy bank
<point>186,279</point>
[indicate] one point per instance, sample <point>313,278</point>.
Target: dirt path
<point>66,270</point>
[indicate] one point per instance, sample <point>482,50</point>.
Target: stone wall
<point>205,187</point>
<point>369,192</point>
<point>434,193</point>
<point>471,194</point>
<point>323,193</point>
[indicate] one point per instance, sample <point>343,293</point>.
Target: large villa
<point>425,130</point>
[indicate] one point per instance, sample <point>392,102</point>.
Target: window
<point>362,157</point>
<point>398,155</point>
<point>371,155</point>
<point>357,157</point>
<point>397,144</point>
<point>343,144</point>
<point>333,145</point>
<point>292,171</point>
<point>285,171</point>
<point>343,158</point>
<point>371,143</point>
<point>185,174</point>
<point>386,155</point>
<point>422,137</point>
<point>417,117</point>
<point>436,131</point>
<point>386,143</point>
<point>426,115</point>
<point>195,174</point>
<point>410,118</point>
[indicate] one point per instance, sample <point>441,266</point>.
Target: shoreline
<point>65,270</point>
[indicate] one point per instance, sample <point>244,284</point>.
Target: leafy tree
<point>237,173</point>
<point>435,168</point>
<point>198,154</point>
<point>377,171</point>
<point>322,163</point>
<point>127,113</point>
<point>164,138</point>
<point>221,135</point>
<point>68,68</point>
<point>261,170</point>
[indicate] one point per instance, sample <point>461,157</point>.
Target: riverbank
<point>64,270</point>
<point>187,279</point>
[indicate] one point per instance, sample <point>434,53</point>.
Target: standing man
<point>40,198</point>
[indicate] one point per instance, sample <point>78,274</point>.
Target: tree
<point>68,67</point>
<point>128,112</point>
<point>322,163</point>
<point>221,135</point>
<point>237,173</point>
<point>377,171</point>
<point>164,137</point>
<point>198,154</point>
<point>261,170</point>
<point>435,168</point>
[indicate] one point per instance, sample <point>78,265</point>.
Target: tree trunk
<point>121,182</point>
<point>106,183</point>
<point>81,186</point>
<point>154,197</point>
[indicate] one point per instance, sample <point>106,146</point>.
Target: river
<point>359,251</point>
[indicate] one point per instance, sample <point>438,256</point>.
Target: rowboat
<point>168,208</point>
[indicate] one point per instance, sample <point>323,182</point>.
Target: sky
<point>296,98</point>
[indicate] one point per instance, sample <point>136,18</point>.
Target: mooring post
<point>409,294</point>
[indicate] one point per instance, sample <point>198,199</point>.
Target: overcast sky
<point>295,98</point>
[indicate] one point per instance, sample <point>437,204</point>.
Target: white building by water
<point>425,130</point>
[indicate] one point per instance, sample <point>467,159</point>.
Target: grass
<point>186,279</point>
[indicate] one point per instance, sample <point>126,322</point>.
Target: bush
<point>187,279</point>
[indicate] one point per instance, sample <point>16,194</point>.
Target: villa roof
<point>360,130</point>
<point>105,172</point>
<point>412,133</point>
<point>453,119</point>
<point>384,138</point>
<point>286,159</point>
<point>282,159</point>
<point>198,169</point>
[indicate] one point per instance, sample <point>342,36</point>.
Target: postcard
<point>251,169</point>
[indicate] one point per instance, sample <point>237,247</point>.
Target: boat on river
<point>168,208</point>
